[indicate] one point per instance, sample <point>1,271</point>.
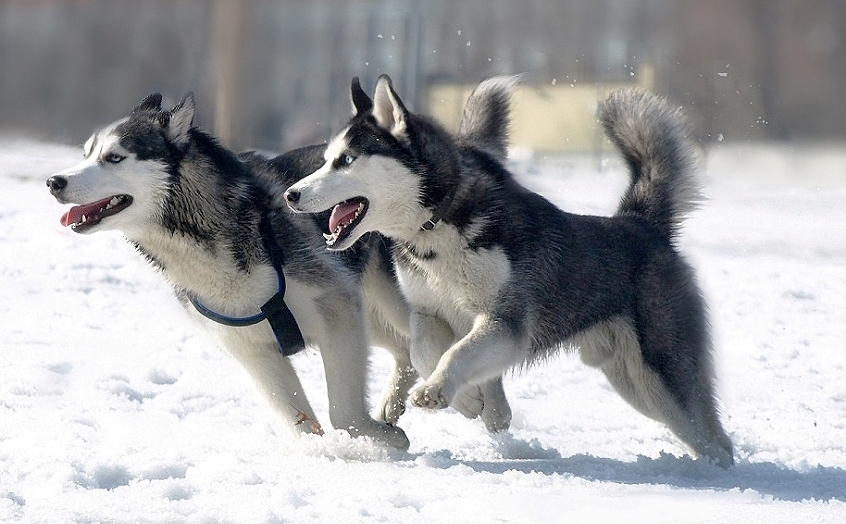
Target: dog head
<point>379,173</point>
<point>121,182</point>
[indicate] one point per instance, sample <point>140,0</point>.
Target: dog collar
<point>275,311</point>
<point>438,213</point>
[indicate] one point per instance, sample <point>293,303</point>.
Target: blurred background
<point>275,74</point>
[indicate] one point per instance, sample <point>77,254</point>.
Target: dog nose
<point>292,196</point>
<point>56,183</point>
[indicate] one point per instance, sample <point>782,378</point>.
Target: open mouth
<point>345,216</point>
<point>80,218</point>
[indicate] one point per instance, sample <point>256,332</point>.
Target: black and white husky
<point>252,271</point>
<point>497,276</point>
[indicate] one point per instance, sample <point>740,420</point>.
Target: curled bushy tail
<point>654,139</point>
<point>485,120</point>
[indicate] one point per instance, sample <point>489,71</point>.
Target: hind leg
<point>675,344</point>
<point>680,396</point>
<point>696,422</point>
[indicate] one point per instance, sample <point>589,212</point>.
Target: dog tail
<point>655,141</point>
<point>486,116</point>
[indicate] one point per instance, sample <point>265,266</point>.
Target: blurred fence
<point>275,74</point>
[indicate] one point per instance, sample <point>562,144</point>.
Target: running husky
<point>497,276</point>
<point>206,219</point>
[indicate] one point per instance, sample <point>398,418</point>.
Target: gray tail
<point>485,120</point>
<point>654,139</point>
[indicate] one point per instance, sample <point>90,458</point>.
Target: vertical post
<point>414,55</point>
<point>227,43</point>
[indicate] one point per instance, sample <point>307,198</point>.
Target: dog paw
<point>469,402</point>
<point>496,416</point>
<point>392,405</point>
<point>390,409</point>
<point>395,437</point>
<point>382,432</point>
<point>429,396</point>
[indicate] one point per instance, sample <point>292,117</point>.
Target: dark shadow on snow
<point>820,483</point>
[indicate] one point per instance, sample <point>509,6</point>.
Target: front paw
<point>390,409</point>
<point>381,432</point>
<point>429,396</point>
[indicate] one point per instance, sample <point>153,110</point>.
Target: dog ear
<point>388,109</point>
<point>152,101</point>
<point>361,103</point>
<point>181,119</point>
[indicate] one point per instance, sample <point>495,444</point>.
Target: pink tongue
<point>342,214</point>
<point>74,215</point>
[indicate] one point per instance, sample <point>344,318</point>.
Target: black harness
<point>275,311</point>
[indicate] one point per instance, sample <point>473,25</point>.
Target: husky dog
<point>498,277</point>
<point>253,272</point>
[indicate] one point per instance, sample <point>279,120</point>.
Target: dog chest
<point>465,279</point>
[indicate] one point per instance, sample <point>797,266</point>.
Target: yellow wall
<point>559,117</point>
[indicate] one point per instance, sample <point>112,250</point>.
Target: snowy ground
<point>114,408</point>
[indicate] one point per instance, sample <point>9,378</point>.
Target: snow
<point>114,407</point>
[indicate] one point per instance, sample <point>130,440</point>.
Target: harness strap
<point>275,311</point>
<point>282,321</point>
<point>234,321</point>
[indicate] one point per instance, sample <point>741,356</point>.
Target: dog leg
<point>345,363</point>
<point>496,412</point>
<point>388,317</point>
<point>484,354</point>
<point>276,379</point>
<point>675,346</point>
<point>431,337</point>
<point>333,320</point>
<point>697,424</point>
<point>403,376</point>
<point>613,347</point>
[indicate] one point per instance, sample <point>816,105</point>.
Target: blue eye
<point>343,161</point>
<point>114,158</point>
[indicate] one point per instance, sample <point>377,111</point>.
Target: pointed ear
<point>388,109</point>
<point>151,102</point>
<point>181,120</point>
<point>361,103</point>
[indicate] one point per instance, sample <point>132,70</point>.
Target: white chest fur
<point>212,276</point>
<point>443,274</point>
